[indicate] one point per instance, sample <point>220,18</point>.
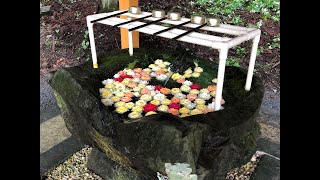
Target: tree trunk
<point>108,5</point>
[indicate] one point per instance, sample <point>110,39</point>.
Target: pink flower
<point>145,91</point>
<point>192,97</point>
<point>126,99</point>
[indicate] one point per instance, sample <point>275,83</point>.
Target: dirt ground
<point>63,38</point>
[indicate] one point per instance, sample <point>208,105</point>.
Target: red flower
<point>158,88</point>
<point>118,79</point>
<point>150,107</point>
<point>174,105</point>
<point>195,86</point>
<point>126,76</point>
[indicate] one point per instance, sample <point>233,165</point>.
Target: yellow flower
<point>134,115</point>
<point>119,104</point>
<point>194,91</point>
<point>158,61</point>
<point>162,65</point>
<point>176,76</point>
<point>185,88</point>
<point>146,97</point>
<point>152,66</point>
<point>147,70</point>
<point>166,101</point>
<point>195,112</point>
<point>213,93</point>
<point>204,90</point>
<point>195,74</point>
<point>201,107</point>
<point>150,113</point>
<point>126,81</point>
<point>215,80</point>
<point>115,98</point>
<point>155,102</point>
<point>121,110</point>
<point>184,110</point>
<point>184,115</point>
<point>175,90</point>
<point>120,94</point>
<point>199,101</point>
<point>141,86</point>
<point>188,71</point>
<point>184,101</point>
<point>163,108</point>
<point>129,105</point>
<point>138,109</point>
<point>198,70</point>
<point>106,94</point>
<point>140,103</point>
<point>187,75</point>
<point>109,86</point>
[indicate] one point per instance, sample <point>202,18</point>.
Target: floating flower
<point>138,109</point>
<point>159,97</point>
<point>191,97</point>
<point>180,96</point>
<point>115,98</point>
<point>204,90</point>
<point>145,78</point>
<point>136,80</point>
<point>157,88</point>
<point>119,86</point>
<point>195,86</point>
<point>184,110</point>
<point>181,80</point>
<point>144,91</point>
<point>129,71</point>
<point>174,105</point>
<point>215,80</point>
<point>165,90</point>
<point>187,75</point>
<point>213,93</point>
<point>152,93</point>
<point>128,94</point>
<point>176,76</point>
<point>136,89</point>
<point>207,110</point>
<point>211,106</point>
<point>162,77</point>
<point>136,94</point>
<point>150,113</point>
<point>109,86</point>
<point>204,96</point>
<point>163,108</point>
<point>137,70</point>
<point>106,94</point>
<point>190,105</point>
<point>101,90</point>
<point>116,76</point>
<point>134,115</point>
<point>166,63</point>
<point>143,83</point>
<point>126,99</point>
<point>119,104</point>
<point>199,101</point>
<point>194,91</point>
<point>158,61</point>
<point>140,103</point>
<point>126,81</point>
<point>221,102</point>
<point>149,107</point>
<point>120,94</point>
<point>175,100</point>
<point>212,87</point>
<point>166,101</point>
<point>122,73</point>
<point>156,68</point>
<point>201,107</point>
<point>185,88</point>
<point>146,97</point>
<point>188,71</point>
<point>175,90</point>
<point>195,112</point>
<point>129,105</point>
<point>119,79</point>
<point>126,76</point>
<point>173,111</point>
<point>136,75</point>
<point>184,101</point>
<point>198,69</point>
<point>160,71</point>
<point>107,81</point>
<point>153,74</point>
<point>152,66</point>
<point>141,86</point>
<point>121,109</point>
<point>150,87</point>
<point>155,102</point>
<point>184,115</point>
<point>107,102</point>
<point>187,82</point>
<point>148,70</point>
<point>162,65</point>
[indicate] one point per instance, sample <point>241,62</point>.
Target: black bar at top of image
<point>191,30</point>
<point>176,26</point>
<point>132,21</point>
<point>113,15</point>
<point>152,22</point>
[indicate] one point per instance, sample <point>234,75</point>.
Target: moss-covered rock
<point>217,141</point>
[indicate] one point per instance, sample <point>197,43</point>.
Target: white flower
<point>150,113</point>
<point>190,105</point>
<point>153,74</point>
<point>204,90</point>
<point>136,89</point>
<point>185,88</point>
<point>134,115</point>
<point>215,80</point>
<point>180,96</point>
<point>141,86</point>
<point>120,87</point>
<point>107,102</point>
<point>158,61</point>
<point>211,106</point>
<point>140,103</point>
<point>143,82</point>
<point>204,96</point>
<point>184,101</point>
<point>101,90</point>
<point>107,81</point>
<point>129,71</point>
<point>136,80</point>
<point>163,108</point>
<point>187,82</point>
<point>150,87</point>
<point>119,104</point>
<point>116,76</point>
<point>162,77</point>
<point>162,65</point>
<point>156,68</point>
<point>195,74</point>
<point>136,94</point>
<point>146,97</point>
<point>198,70</point>
<point>120,94</point>
<point>152,66</point>
<point>159,97</point>
<point>153,93</point>
<point>129,105</point>
<point>166,63</point>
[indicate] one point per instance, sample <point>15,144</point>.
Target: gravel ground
<point>73,168</point>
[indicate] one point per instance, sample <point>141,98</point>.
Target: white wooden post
<point>130,41</point>
<point>252,62</point>
<point>92,44</point>
<point>223,53</point>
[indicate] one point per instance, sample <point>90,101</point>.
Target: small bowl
<point>158,13</point>
<point>174,16</point>
<point>213,21</point>
<point>198,19</point>
<point>135,10</point>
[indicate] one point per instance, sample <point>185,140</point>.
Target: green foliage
<point>85,42</point>
<point>233,62</point>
